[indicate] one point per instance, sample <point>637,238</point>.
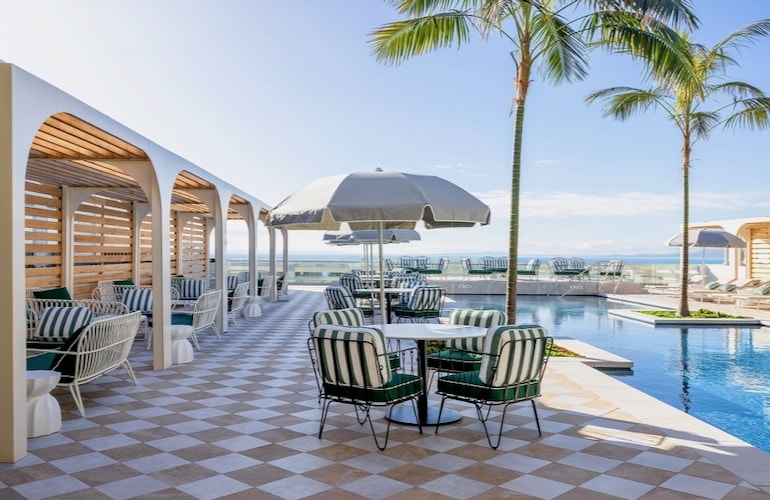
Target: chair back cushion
<point>763,290</point>
<point>351,281</point>
<point>339,297</point>
<point>232,281</point>
<point>138,299</point>
<point>426,298</point>
<point>57,324</point>
<point>352,356</point>
<point>53,293</point>
<point>345,317</point>
<point>485,318</point>
<point>513,354</point>
<point>193,288</point>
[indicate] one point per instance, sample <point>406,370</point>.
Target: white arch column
<point>218,203</point>
<point>250,218</point>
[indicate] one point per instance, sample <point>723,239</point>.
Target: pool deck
<point>241,421</point>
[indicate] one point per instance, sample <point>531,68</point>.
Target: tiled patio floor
<point>241,421</point>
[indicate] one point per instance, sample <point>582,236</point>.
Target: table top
<point>430,331</point>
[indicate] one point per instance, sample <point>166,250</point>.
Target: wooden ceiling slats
<point>67,151</point>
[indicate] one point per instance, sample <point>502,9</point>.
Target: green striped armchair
<point>353,363</point>
<point>512,366</point>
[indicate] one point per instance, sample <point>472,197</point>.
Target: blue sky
<point>271,95</point>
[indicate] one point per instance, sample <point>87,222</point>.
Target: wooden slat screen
<point>195,248</point>
<point>760,252</point>
<point>43,238</point>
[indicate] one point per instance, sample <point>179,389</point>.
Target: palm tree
<point>688,84</point>
<point>541,38</point>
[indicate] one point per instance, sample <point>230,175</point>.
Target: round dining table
<point>421,333</point>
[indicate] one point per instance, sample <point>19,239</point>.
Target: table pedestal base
<point>404,414</point>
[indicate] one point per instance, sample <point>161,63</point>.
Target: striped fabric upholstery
<point>421,261</point>
<point>59,323</point>
<point>193,288</point>
<point>344,317</point>
<point>426,298</point>
<point>517,354</point>
<point>233,281</point>
<point>339,297</point>
<point>352,356</point>
<point>485,318</point>
<point>138,299</point>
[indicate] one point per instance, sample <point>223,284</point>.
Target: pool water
<point>720,375</point>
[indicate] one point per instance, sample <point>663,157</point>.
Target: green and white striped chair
<point>512,366</point>
<point>425,303</point>
<point>355,369</point>
<point>462,355</point>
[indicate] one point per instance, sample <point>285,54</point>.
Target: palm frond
<point>745,36</point>
<point>755,114</point>
<point>677,13</point>
<point>738,90</point>
<point>562,55</point>
<point>623,102</point>
<point>703,122</point>
<point>422,8</point>
<point>397,41</point>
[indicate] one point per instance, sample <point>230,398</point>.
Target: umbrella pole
<point>382,277</point>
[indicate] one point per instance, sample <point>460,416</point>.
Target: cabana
<point>84,199</point>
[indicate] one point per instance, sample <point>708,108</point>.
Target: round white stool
<point>43,411</point>
<point>181,348</point>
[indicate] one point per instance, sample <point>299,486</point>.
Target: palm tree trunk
<point>522,86</point>
<point>684,256</point>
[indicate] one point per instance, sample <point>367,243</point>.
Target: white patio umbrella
<point>707,238</point>
<point>379,200</point>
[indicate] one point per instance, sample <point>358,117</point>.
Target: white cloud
<point>632,203</point>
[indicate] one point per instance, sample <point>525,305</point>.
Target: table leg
<point>428,415</point>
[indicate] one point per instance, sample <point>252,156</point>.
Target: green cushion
<point>450,360</point>
<point>182,318</point>
<point>712,285</point>
<point>400,386</point>
<point>40,361</point>
<point>128,282</point>
<point>65,364</point>
<point>468,384</point>
<point>53,293</point>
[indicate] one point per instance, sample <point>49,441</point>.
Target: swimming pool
<point>720,375</point>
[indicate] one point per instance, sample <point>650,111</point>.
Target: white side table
<point>43,411</point>
<point>252,308</point>
<point>181,348</point>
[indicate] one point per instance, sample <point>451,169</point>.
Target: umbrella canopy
<point>710,238</point>
<point>370,236</point>
<point>707,238</point>
<point>379,200</point>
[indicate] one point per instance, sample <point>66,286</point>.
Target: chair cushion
<point>138,299</point>
<point>485,318</point>
<point>193,288</point>
<point>469,384</point>
<point>232,282</point>
<point>513,358</point>
<point>763,290</point>
<point>333,342</point>
<point>57,324</point>
<point>712,285</point>
<point>449,360</point>
<point>65,364</point>
<point>128,282</point>
<point>346,317</point>
<point>53,293</point>
<point>182,318</point>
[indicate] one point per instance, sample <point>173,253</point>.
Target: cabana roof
<point>68,151</point>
